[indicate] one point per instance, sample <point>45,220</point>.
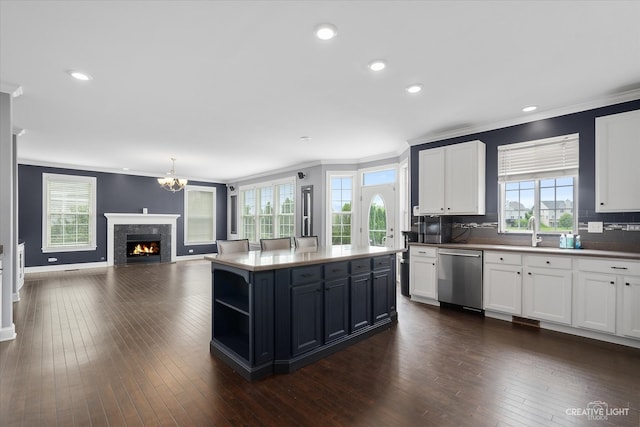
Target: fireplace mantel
<point>114,219</point>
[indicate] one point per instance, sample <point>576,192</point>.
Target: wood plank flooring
<point>129,346</point>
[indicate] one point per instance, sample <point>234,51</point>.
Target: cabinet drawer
<point>422,251</point>
<point>336,270</point>
<point>504,258</point>
<point>382,263</point>
<point>360,266</point>
<point>548,261</point>
<point>609,266</point>
<point>303,275</point>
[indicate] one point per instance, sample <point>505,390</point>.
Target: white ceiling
<point>229,87</point>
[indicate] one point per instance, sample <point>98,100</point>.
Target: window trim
<point>185,223</point>
<point>256,187</point>
<point>56,177</point>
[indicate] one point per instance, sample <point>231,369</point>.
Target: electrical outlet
<point>594,227</point>
<point>633,227</point>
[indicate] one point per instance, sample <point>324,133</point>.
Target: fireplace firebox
<point>143,248</point>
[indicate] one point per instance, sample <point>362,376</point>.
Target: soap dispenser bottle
<point>563,241</point>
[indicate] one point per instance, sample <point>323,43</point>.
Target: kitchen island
<point>276,311</point>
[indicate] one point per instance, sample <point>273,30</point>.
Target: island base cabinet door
<point>336,309</point>
<point>381,303</point>
<point>360,301</point>
<point>503,289</point>
<point>547,295</point>
<point>631,307</point>
<point>595,302</point>
<point>306,317</point>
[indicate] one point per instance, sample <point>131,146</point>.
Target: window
<point>268,210</point>
<point>69,213</point>
<point>386,176</point>
<point>200,215</point>
<point>341,209</point>
<point>539,179</point>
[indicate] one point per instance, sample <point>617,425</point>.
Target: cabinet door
<point>631,307</point>
<point>547,295</point>
<point>381,303</point>
<point>336,309</point>
<point>360,301</point>
<point>617,154</point>
<point>464,178</point>
<point>431,179</point>
<point>306,317</point>
<point>503,288</point>
<point>595,301</point>
<point>423,277</point>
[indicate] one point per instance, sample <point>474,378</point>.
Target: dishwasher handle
<point>459,254</point>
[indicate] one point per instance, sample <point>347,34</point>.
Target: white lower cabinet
<point>423,273</point>
<point>631,307</point>
<point>547,288</point>
<point>607,297</point>
<point>503,282</point>
<point>595,301</point>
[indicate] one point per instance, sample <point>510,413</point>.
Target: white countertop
<point>271,260</point>
<point>536,250</point>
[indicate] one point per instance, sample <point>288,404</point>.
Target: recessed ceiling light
<point>377,65</point>
<point>530,108</point>
<point>326,31</point>
<point>415,88</point>
<point>79,75</point>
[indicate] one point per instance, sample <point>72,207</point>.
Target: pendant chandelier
<point>171,182</point>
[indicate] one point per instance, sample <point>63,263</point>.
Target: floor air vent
<point>526,322</point>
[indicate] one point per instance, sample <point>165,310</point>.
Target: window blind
<point>200,216</point>
<point>551,157</point>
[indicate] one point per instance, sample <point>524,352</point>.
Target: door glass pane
<point>377,222</point>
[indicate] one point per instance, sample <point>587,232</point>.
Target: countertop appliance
<point>434,229</point>
<point>460,277</point>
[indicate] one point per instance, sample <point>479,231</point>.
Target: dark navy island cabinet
<point>278,320</point>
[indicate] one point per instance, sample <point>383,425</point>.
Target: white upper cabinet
<point>452,180</point>
<point>617,154</point>
<point>431,179</point>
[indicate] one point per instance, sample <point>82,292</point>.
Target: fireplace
<point>143,248</point>
<point>122,225</point>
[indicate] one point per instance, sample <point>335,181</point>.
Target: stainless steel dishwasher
<point>460,277</point>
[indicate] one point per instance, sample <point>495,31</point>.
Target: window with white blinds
<point>551,157</point>
<point>538,180</point>
<point>69,213</point>
<point>200,215</point>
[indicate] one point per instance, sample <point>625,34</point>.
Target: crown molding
<point>30,162</point>
<point>626,96</point>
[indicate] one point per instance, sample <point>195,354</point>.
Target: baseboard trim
<point>8,334</point>
<point>63,267</point>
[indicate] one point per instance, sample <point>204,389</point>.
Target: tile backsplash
<point>614,237</point>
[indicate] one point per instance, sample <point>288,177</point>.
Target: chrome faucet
<point>534,235</point>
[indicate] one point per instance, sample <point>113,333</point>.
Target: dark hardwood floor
<point>130,346</point>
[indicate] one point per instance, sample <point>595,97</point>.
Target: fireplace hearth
<point>143,248</point>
